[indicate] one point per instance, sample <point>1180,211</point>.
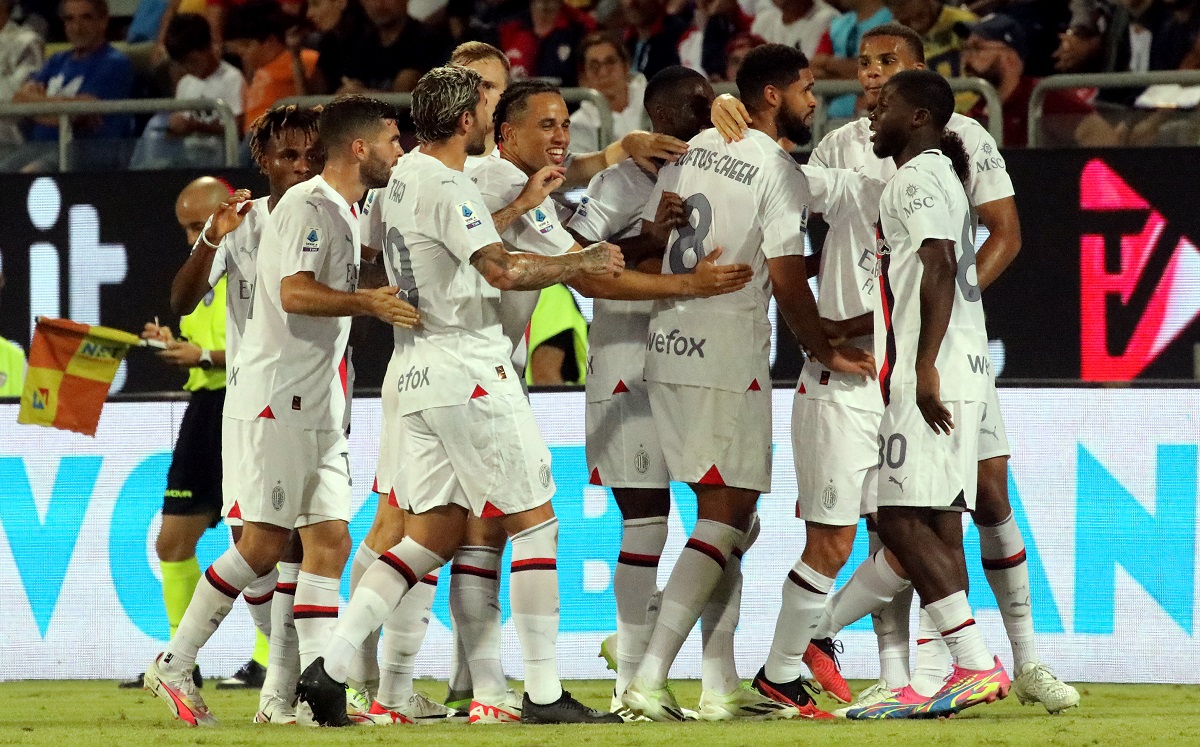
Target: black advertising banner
<point>1107,286</point>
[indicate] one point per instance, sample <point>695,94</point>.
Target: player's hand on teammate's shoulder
<point>712,279</point>
<point>601,258</point>
<point>229,215</point>
<point>851,359</point>
<point>539,187</point>
<point>650,150</point>
<point>929,400</point>
<point>385,305</point>
<point>730,118</point>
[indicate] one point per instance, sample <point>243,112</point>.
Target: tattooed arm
<point>519,271</point>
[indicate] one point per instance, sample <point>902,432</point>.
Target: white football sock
<point>696,573</point>
<point>804,594</point>
<point>284,668</point>
<point>719,620</point>
<point>954,620</point>
<point>533,596</point>
<point>891,624</point>
<point>1003,555</point>
<point>872,586</point>
<point>635,581</point>
<point>364,669</point>
<point>211,602</point>
<point>314,613</point>
<point>258,597</point>
<point>475,610</point>
<point>382,587</point>
<point>933,658</point>
<point>403,633</point>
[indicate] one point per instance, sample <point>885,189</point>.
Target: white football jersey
<point>290,365</point>
<point>846,282</point>
<point>752,200</point>
<point>611,210</point>
<point>924,201</point>
<point>438,220</point>
<point>540,231</point>
<point>237,257</point>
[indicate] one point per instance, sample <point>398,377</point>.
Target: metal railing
<point>1037,100</point>
<point>828,89</point>
<point>65,110</point>
<point>403,101</point>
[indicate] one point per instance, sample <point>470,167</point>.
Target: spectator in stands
<point>935,21</point>
<point>995,49</point>
<point>20,56</point>
<point>479,20</point>
<point>653,34</point>
<point>336,26</point>
<point>393,51</point>
<point>1041,20</point>
<point>91,69</point>
<point>714,24</point>
<point>604,66</point>
<point>192,138</point>
<point>837,54</point>
<point>1084,46</point>
<point>796,23</point>
<point>12,364</point>
<point>735,52</point>
<point>541,42</point>
<point>254,33</point>
<point>151,19</point>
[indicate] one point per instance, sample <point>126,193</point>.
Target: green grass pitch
<point>94,713</point>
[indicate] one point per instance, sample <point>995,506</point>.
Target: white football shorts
<point>713,436</point>
<point>836,450</point>
<point>993,439</point>
<point>925,469</point>
<point>622,446</point>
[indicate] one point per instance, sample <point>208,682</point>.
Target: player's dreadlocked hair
<point>273,122</point>
<point>927,90</point>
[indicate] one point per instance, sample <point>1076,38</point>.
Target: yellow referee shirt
<point>206,327</point>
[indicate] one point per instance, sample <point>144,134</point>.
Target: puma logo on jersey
<point>992,432</point>
<point>898,482</point>
<point>675,343</point>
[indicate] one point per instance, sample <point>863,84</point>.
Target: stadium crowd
<point>252,53</point>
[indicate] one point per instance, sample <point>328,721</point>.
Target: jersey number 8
<point>688,248</point>
<point>402,262</point>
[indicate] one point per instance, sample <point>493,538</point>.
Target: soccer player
<point>283,430</point>
<point>707,360</point>
<point>284,144</point>
<point>468,439</point>
<point>930,334</point>
<point>885,50</point>
<point>623,451</point>
<point>192,500</point>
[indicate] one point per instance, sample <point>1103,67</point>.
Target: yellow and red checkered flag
<point>71,367</point>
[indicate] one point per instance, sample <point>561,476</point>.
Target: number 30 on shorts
<point>892,451</point>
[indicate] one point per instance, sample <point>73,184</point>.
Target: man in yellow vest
<point>557,339</point>
<point>192,500</point>
<point>12,364</point>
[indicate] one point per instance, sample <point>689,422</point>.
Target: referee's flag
<point>71,367</point>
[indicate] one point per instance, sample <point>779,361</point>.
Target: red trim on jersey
<point>479,392</point>
<point>595,478</point>
<point>392,499</point>
<point>888,299</point>
<point>802,389</point>
<point>353,210</point>
<point>490,511</point>
<point>342,374</point>
<point>620,388</point>
<point>375,484</point>
<point>712,477</point>
<point>266,413</point>
<point>235,512</point>
<point>754,387</point>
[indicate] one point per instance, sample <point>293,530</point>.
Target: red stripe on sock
<point>309,611</point>
<point>956,628</point>
<point>922,641</point>
<point>259,600</point>
<point>798,581</point>
<point>399,566</point>
<point>221,584</point>
<point>1003,564</point>
<point>644,561</point>
<point>285,589</point>
<point>738,553</point>
<point>472,570</point>
<point>707,549</point>
<point>430,579</point>
<point>534,564</point>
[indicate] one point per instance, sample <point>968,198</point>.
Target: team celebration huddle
<point>684,235</point>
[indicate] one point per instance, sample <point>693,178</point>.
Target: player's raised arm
<point>648,149</point>
<point>536,190</point>
<point>193,280</point>
<point>520,271</point>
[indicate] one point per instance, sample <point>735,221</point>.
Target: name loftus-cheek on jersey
<point>675,343</point>
<point>726,166</point>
